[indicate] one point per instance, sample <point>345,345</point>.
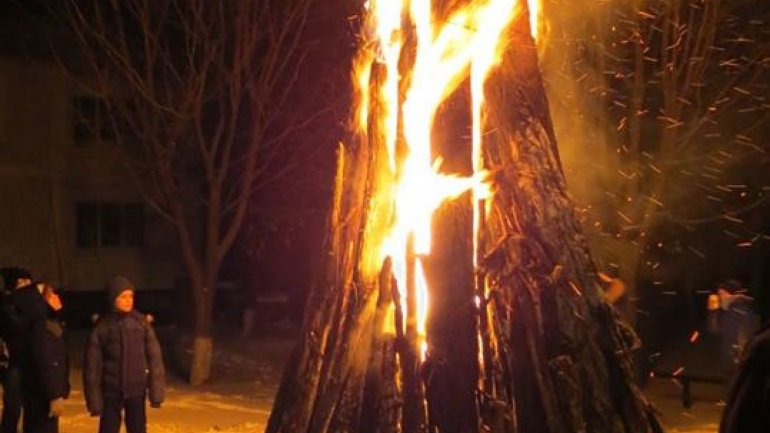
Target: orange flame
<point>535,12</point>
<point>445,55</point>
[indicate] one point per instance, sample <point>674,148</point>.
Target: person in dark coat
<point>123,364</point>
<point>748,407</point>
<point>732,320</point>
<point>11,328</point>
<point>45,366</point>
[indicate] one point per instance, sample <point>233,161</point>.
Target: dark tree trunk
<point>553,359</point>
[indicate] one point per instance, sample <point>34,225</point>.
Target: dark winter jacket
<point>43,348</point>
<point>11,326</point>
<point>123,360</point>
<point>734,326</point>
<point>748,408</point>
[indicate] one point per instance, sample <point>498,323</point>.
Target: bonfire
<point>459,295</point>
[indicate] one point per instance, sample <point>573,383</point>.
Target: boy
<point>123,364</point>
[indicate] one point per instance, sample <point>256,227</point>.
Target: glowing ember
<point>445,54</point>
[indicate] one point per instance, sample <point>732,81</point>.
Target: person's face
<point>125,301</point>
<point>23,282</point>
<point>714,302</point>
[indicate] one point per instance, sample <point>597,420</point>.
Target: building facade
<point>68,209</point>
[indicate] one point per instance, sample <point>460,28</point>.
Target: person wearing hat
<point>44,364</point>
<point>123,364</point>
<point>11,325</point>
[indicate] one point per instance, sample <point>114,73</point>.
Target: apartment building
<point>68,210</point>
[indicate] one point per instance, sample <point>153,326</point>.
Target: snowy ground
<point>702,417</point>
<point>246,376</point>
<point>238,399</point>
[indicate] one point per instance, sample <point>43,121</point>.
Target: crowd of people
<point>123,363</point>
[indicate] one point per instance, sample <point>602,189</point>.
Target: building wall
<point>44,173</point>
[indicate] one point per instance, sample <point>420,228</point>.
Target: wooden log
<point>414,413</point>
<point>342,305</point>
<point>292,409</point>
<point>381,401</point>
<point>452,378</point>
<point>557,334</point>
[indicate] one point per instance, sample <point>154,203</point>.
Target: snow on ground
<point>246,374</point>
<point>702,417</point>
<point>238,398</point>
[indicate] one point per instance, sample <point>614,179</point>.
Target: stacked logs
<point>523,343</point>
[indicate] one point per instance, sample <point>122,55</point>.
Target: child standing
<point>123,364</point>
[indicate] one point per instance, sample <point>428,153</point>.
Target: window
<point>91,120</point>
<point>102,224</point>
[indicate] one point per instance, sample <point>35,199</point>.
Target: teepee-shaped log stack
<point>537,350</point>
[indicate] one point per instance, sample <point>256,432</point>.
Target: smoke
<point>657,108</point>
<point>572,68</point>
<point>572,62</point>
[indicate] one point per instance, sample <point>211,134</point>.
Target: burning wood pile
<point>494,323</point>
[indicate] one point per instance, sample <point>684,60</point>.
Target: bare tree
<point>197,92</point>
<point>672,92</point>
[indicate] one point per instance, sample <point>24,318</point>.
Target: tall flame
<point>535,12</point>
<point>445,54</point>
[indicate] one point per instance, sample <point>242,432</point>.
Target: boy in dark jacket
<point>123,363</point>
<point>45,367</point>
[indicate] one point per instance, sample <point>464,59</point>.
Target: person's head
<point>728,287</point>
<point>713,303</point>
<point>726,291</point>
<point>120,292</point>
<point>16,278</point>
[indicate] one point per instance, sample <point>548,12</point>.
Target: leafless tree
<point>197,93</point>
<point>669,100</point>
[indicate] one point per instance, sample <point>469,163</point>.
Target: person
<point>10,332</point>
<point>123,364</point>
<point>614,294</point>
<point>748,405</point>
<point>732,319</point>
<point>45,367</point>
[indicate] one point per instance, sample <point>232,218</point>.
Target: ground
<point>702,417</point>
<point>238,399</point>
<point>247,373</point>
